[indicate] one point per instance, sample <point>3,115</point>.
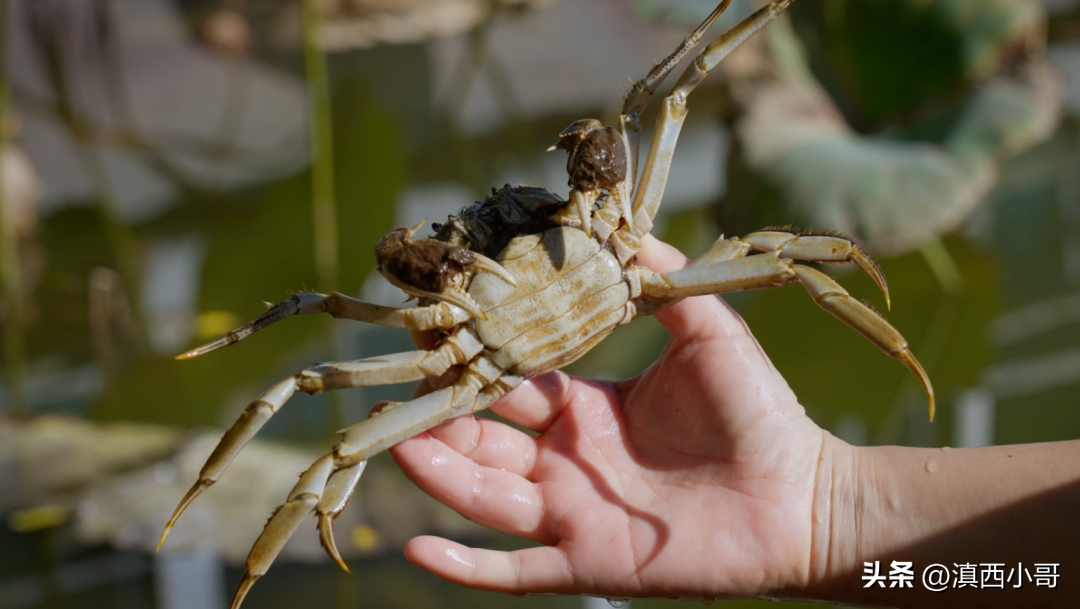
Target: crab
<point>525,282</point>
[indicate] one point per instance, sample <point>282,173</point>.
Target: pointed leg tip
<point>242,590</point>
<point>204,349</point>
<point>164,535</point>
<point>192,494</point>
<point>930,400</point>
<point>908,358</point>
<point>326,536</point>
<point>871,268</point>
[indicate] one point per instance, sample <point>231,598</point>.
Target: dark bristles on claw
<point>807,232</point>
<point>858,256</point>
<point>872,269</point>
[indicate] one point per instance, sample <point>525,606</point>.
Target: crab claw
<point>487,265</point>
<point>452,295</point>
<point>428,268</point>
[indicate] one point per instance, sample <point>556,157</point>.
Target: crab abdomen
<point>570,295</point>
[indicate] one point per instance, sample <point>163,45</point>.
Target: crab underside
<point>560,277</point>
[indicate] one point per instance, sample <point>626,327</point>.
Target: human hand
<point>694,479</point>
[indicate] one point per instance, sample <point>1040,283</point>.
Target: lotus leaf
<point>934,149</point>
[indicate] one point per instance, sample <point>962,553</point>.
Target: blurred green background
<point>169,165</point>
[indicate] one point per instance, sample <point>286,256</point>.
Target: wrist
<point>1003,504</point>
<point>836,514</point>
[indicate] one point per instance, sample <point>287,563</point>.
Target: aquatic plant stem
<point>10,280</point>
<point>942,266</point>
<point>324,212</point>
<point>323,199</point>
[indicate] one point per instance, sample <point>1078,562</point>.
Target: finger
<point>489,443</point>
<point>533,570</point>
<point>692,319</point>
<point>495,498</point>
<point>539,401</point>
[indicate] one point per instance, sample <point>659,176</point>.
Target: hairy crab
<point>524,283</point>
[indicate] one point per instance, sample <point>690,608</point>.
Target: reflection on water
<point>175,200</point>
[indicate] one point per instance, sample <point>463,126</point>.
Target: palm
<point>693,479</point>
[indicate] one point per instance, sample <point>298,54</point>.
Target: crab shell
<point>545,322</point>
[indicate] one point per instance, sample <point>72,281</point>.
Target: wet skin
<point>676,483</point>
<point>703,477</point>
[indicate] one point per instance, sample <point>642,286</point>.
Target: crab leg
<point>327,484</point>
<point>399,421</point>
<point>642,91</point>
<point>339,489</point>
<point>830,296</point>
<point>459,348</point>
<point>810,246</point>
<point>743,273</point>
<point>672,114</point>
<point>770,270</point>
<point>441,315</point>
<point>341,485</point>
<point>283,523</point>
